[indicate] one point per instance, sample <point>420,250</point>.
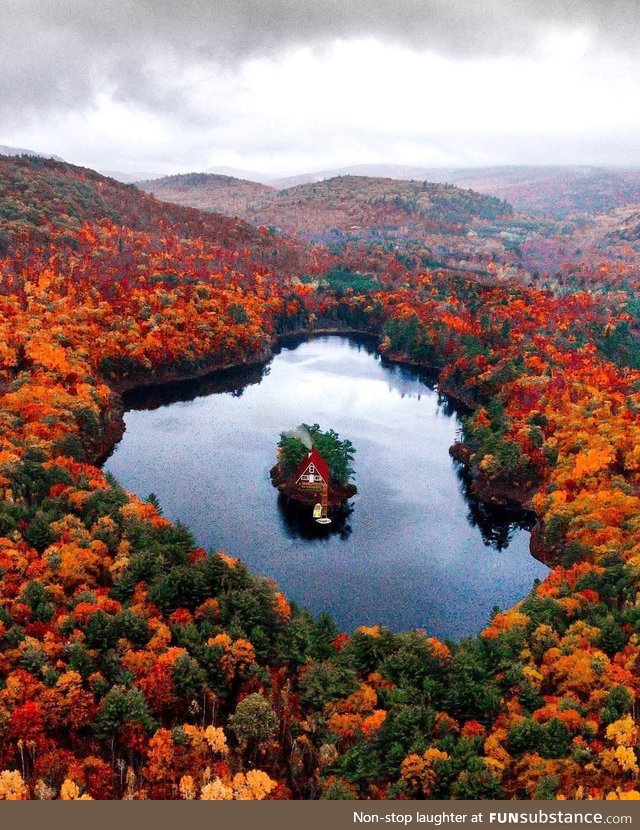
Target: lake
<point>415,550</point>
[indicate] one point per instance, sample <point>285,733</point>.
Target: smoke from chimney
<point>302,434</point>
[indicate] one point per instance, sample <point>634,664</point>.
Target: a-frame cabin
<point>312,471</point>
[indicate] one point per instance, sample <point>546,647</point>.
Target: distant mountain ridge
<point>538,190</point>
<point>556,190</point>
<point>550,190</point>
<point>127,178</point>
<point>380,171</point>
<point>240,173</point>
<point>344,205</point>
<point>208,191</point>
<point>6,150</point>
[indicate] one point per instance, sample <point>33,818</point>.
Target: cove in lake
<point>415,551</point>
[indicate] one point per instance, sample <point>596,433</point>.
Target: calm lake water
<point>414,552</point>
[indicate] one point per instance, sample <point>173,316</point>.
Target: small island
<point>314,468</point>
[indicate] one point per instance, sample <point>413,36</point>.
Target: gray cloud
<point>56,54</point>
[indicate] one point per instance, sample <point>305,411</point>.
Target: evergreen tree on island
<point>314,467</point>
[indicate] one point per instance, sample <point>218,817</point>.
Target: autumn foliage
<point>135,665</point>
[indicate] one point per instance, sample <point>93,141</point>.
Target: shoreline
<point>113,426</point>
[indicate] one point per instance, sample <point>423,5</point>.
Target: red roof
<point>321,465</point>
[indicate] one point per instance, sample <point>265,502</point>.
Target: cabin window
<point>312,468</point>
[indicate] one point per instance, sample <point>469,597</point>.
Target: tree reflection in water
<point>298,523</point>
<point>497,525</point>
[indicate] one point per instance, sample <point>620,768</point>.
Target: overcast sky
<point>286,86</point>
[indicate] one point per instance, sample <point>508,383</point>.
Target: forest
<point>136,665</point>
